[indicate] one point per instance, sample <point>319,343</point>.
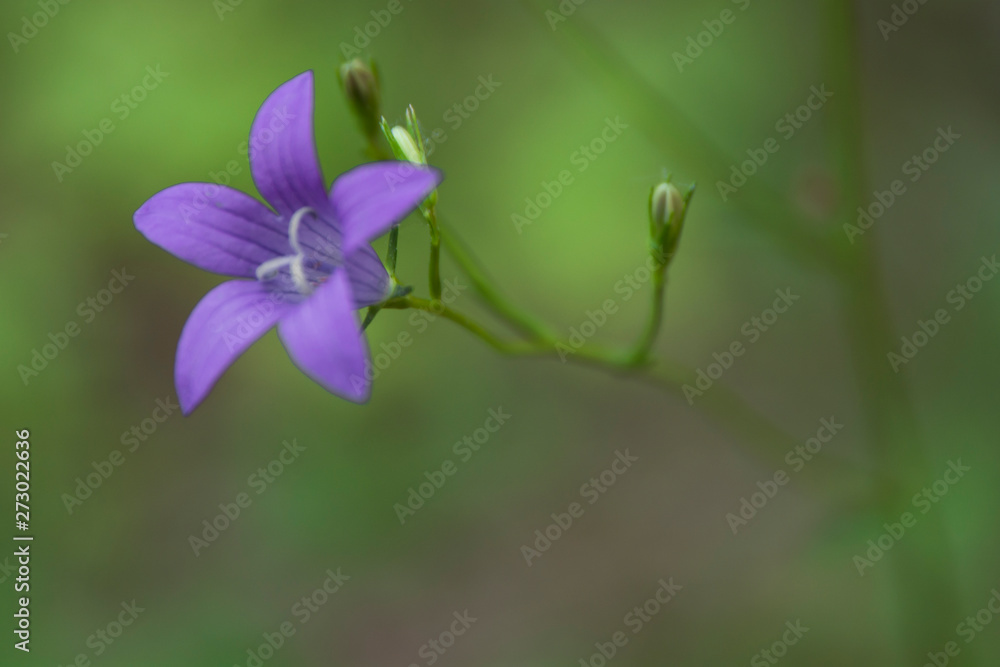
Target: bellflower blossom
<point>306,266</point>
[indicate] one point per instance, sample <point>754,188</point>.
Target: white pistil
<point>293,228</point>
<point>299,276</point>
<point>270,268</point>
<point>296,263</point>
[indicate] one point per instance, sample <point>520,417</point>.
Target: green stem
<point>727,407</point>
<point>644,345</point>
<point>927,593</point>
<point>434,267</point>
<point>674,132</point>
<point>377,151</point>
<point>513,315</point>
<point>437,307</point>
<point>391,251</point>
<point>724,405</point>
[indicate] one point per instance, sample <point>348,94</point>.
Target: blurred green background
<point>333,507</point>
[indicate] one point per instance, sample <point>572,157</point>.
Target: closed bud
<point>665,204</point>
<point>668,208</point>
<point>407,146</point>
<point>360,83</point>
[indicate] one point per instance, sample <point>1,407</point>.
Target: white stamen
<point>296,263</point>
<point>270,268</point>
<point>293,228</point>
<point>299,276</point>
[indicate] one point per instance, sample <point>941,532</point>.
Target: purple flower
<point>309,262</point>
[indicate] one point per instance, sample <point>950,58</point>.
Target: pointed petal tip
<point>227,321</point>
<point>213,227</point>
<point>185,396</point>
<point>323,338</point>
<point>283,159</point>
<point>372,198</point>
<point>187,407</point>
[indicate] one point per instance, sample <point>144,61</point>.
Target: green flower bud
<point>408,149</point>
<point>665,205</point>
<point>361,87</point>
<point>405,147</point>
<point>668,208</point>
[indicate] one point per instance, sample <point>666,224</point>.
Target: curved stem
<point>644,345</point>
<point>726,406</point>
<point>513,315</point>
<point>438,308</point>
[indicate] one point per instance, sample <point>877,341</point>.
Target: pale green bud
<point>407,146</point>
<point>665,205</point>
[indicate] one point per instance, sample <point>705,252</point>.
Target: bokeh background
<point>63,235</point>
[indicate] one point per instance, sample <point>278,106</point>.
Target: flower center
<point>295,263</point>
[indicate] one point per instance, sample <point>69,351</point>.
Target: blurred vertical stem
<point>510,313</point>
<point>391,251</point>
<point>378,152</point>
<point>926,588</point>
<point>434,269</point>
<point>927,594</point>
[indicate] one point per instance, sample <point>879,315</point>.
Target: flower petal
<point>222,326</point>
<point>283,152</point>
<point>367,275</point>
<point>323,338</point>
<point>372,198</point>
<point>213,227</point>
